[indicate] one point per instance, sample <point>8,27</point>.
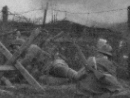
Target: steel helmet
<point>103,47</point>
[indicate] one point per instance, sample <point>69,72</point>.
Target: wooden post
<point>56,13</point>
<point>45,14</point>
<point>5,14</point>
<point>52,20</point>
<point>13,58</point>
<point>17,54</point>
<point>20,67</point>
<point>129,17</point>
<point>6,81</point>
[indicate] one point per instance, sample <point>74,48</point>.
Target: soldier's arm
<point>81,74</point>
<point>59,70</point>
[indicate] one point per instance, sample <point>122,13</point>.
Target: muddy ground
<point>50,91</point>
<point>26,91</point>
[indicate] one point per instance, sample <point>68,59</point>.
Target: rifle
<point>83,58</point>
<point>105,78</point>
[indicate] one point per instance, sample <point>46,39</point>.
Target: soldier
<point>16,43</point>
<point>18,36</point>
<point>87,82</point>
<point>93,86</point>
<point>32,53</point>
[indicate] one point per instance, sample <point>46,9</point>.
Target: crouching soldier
<point>34,51</point>
<point>31,57</point>
<point>100,82</point>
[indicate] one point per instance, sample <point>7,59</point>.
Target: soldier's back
<point>106,65</point>
<point>90,84</point>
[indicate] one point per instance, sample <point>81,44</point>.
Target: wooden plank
<point>53,38</point>
<point>24,46</point>
<point>6,81</point>
<point>20,67</point>
<point>34,34</point>
<point>7,68</point>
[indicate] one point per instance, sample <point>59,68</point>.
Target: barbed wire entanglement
<point>63,11</point>
<point>21,16</point>
<point>70,12</point>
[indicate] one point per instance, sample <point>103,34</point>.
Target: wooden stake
<point>7,68</point>
<point>6,81</point>
<point>20,67</point>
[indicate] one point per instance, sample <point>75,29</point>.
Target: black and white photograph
<point>64,48</point>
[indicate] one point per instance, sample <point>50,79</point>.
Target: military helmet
<point>103,47</point>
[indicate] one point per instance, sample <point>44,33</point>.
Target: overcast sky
<point>74,6</point>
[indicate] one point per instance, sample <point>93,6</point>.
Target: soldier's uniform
<point>60,68</point>
<point>32,53</point>
<point>15,44</point>
<point>92,86</point>
<point>87,82</point>
<point>33,58</point>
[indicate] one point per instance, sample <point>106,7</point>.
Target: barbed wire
<point>65,11</point>
<point>90,12</point>
<point>29,11</point>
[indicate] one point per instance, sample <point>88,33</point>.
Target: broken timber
<point>7,68</point>
<point>51,39</point>
<point>19,66</point>
<point>7,82</point>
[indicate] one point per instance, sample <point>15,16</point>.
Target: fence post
<point>45,14</point>
<point>128,16</point>
<point>5,14</point>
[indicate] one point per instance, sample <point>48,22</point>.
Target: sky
<point>73,6</point>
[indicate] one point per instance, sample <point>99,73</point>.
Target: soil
<point>50,91</point>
